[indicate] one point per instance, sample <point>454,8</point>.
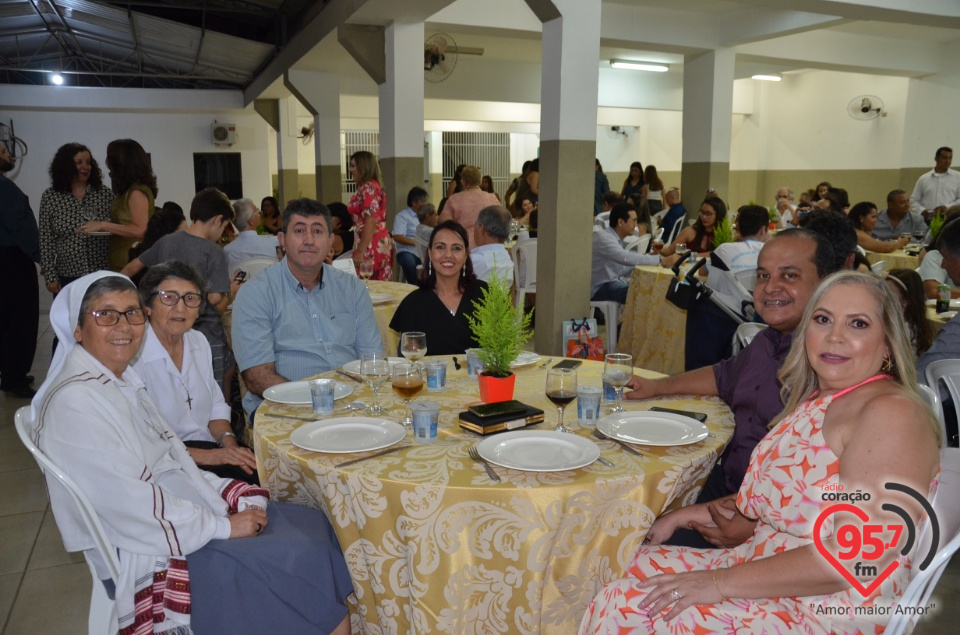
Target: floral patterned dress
<point>369,200</point>
<point>783,488</point>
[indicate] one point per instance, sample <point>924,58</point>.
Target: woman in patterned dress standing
<point>853,421</point>
<point>368,208</point>
<point>76,195</point>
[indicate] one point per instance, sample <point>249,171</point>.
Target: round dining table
<point>434,545</point>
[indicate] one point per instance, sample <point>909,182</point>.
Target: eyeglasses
<point>110,317</point>
<point>170,298</point>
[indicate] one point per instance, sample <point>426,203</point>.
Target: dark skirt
<point>290,579</point>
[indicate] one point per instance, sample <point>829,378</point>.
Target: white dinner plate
<point>954,304</point>
<point>99,234</point>
<point>381,298</point>
<point>652,428</point>
<point>354,366</point>
<point>539,450</point>
<point>947,315</point>
<point>348,434</point>
<point>297,393</point>
<point>525,359</point>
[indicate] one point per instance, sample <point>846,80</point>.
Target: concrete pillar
<point>288,171</point>
<point>568,133</point>
<point>320,94</point>
<point>707,123</point>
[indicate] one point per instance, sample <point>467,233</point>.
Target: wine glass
<point>413,345</point>
<point>374,369</point>
<point>618,371</point>
<point>407,381</point>
<point>682,251</point>
<point>919,235</point>
<point>365,269</point>
<point>561,389</point>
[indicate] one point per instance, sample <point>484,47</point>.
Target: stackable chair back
<point>253,266</point>
<point>525,281</point>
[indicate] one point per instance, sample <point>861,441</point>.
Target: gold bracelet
<point>716,583</point>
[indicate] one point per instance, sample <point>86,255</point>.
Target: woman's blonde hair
<point>800,380</point>
<point>368,169</point>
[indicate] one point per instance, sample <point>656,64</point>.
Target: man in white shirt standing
<point>248,244</point>
<point>612,263</point>
<point>939,188</point>
<point>489,257</point>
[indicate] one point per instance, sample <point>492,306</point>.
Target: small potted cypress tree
<point>501,331</point>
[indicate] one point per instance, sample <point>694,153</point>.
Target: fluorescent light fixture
<point>640,66</point>
<point>57,79</point>
<point>767,78</point>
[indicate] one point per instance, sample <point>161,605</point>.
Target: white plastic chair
<point>879,267</point>
<point>747,278</point>
<point>422,245</point>
<point>630,241</point>
<point>344,262</point>
<point>640,245</point>
<point>524,269</point>
<point>602,219</point>
<point>932,397</point>
<point>923,582</point>
<point>611,316</point>
<point>253,266</point>
<point>103,611</point>
<point>948,372</point>
<point>745,334</point>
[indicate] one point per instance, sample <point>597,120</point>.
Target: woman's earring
<point>429,268</point>
<point>887,364</point>
<point>463,272</point>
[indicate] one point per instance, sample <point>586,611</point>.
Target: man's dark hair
<point>838,229</point>
<point>620,212</point>
<point>210,203</point>
<point>949,239</point>
<point>306,207</point>
<point>894,194</point>
<point>611,198</point>
<point>941,150</point>
<point>751,219</point>
<point>823,256</point>
<point>415,194</point>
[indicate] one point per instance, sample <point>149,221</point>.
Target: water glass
<point>413,345</point>
<point>321,393</point>
<point>426,416</point>
<point>618,371</point>
<point>474,364</point>
<point>374,369</point>
<point>436,371</point>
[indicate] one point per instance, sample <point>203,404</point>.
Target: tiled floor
<point>45,591</point>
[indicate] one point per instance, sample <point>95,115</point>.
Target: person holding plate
<point>175,528</point>
<point>853,421</point>
<point>176,367</point>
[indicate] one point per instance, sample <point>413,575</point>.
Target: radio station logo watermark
<point>860,548</point>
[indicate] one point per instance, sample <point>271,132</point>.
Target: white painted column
<point>707,123</point>
<point>568,135</point>
<point>320,94</point>
<point>288,169</point>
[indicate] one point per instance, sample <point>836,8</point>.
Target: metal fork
<point>546,363</point>
<point>475,455</point>
<point>623,445</point>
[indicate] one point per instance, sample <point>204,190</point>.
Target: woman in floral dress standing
<point>368,208</point>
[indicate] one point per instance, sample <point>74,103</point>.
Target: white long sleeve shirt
<point>933,190</point>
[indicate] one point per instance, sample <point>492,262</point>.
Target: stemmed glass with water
<point>413,345</point>
<point>407,381</point>
<point>374,369</point>
<point>561,389</point>
<point>365,271</point>
<point>618,371</point>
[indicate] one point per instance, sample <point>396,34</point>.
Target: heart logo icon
<point>844,507</point>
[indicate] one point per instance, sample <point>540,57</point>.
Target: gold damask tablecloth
<point>898,259</point>
<point>434,546</point>
<point>384,312</point>
<point>654,330</point>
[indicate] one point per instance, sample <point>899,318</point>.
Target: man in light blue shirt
<point>490,258</point>
<point>248,244</point>
<point>302,317</point>
<point>612,263</point>
<point>405,231</point>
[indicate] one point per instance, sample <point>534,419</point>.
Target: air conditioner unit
<point>223,134</point>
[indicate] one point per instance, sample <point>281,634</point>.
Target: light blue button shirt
<point>275,319</point>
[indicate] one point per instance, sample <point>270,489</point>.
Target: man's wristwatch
<point>223,436</point>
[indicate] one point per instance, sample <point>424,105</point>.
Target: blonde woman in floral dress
<point>368,208</point>
<point>853,421</point>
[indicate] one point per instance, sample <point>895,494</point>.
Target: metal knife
<point>346,374</point>
<point>395,448</point>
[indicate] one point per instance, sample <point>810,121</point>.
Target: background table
<point>898,259</point>
<point>654,330</point>
<point>384,312</point>
<point>434,546</point>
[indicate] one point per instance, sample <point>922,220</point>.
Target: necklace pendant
<point>189,402</point>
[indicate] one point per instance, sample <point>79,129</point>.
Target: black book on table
<point>491,425</point>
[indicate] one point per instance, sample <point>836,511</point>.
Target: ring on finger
<point>676,595</point>
<point>260,528</point>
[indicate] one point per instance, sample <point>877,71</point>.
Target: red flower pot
<point>496,389</point>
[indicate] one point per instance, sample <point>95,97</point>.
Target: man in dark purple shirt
<point>789,268</point>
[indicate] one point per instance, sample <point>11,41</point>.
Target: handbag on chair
<point>685,290</point>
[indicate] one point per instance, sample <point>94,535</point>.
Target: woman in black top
<point>447,291</point>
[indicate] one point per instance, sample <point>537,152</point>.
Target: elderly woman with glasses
<point>176,367</point>
<point>174,526</point>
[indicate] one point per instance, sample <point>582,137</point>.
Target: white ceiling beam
<point>938,13</point>
<point>754,25</point>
